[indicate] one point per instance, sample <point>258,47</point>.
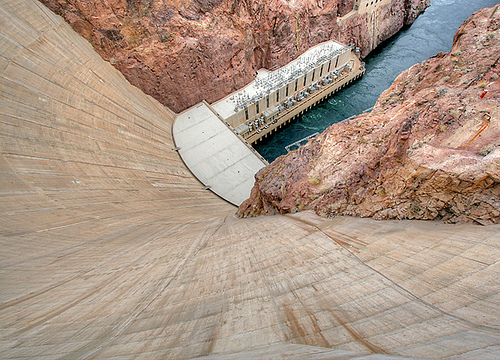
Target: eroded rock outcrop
<point>183,52</point>
<point>430,149</point>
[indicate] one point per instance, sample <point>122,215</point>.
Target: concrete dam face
<point>110,248</point>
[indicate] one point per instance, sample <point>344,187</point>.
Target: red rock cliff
<point>430,149</point>
<point>181,52</point>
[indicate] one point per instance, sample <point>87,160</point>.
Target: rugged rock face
<point>430,149</point>
<point>181,52</point>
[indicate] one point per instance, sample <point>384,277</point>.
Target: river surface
<point>431,33</point>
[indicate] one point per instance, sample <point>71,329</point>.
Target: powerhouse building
<point>275,97</point>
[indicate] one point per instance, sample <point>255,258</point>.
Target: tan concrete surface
<point>110,248</point>
<point>216,155</point>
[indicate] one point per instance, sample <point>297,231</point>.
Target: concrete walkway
<point>215,155</point>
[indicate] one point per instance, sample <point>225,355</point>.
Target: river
<point>431,33</point>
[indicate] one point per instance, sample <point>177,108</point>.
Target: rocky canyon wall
<point>181,52</point>
<point>430,149</point>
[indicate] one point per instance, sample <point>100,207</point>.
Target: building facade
<point>364,6</point>
<point>275,96</point>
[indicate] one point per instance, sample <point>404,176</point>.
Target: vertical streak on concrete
<point>297,30</point>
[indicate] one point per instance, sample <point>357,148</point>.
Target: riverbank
<point>428,150</point>
<point>431,33</point>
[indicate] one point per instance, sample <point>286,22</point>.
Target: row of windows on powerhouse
<point>373,2</point>
<point>296,87</point>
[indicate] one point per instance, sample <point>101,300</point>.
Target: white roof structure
<point>267,81</point>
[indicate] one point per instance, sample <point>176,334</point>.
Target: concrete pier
<point>111,249</point>
<point>216,155</point>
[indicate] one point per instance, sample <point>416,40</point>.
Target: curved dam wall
<point>110,248</point>
<point>76,135</point>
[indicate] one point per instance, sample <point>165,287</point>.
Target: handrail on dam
<point>300,142</point>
